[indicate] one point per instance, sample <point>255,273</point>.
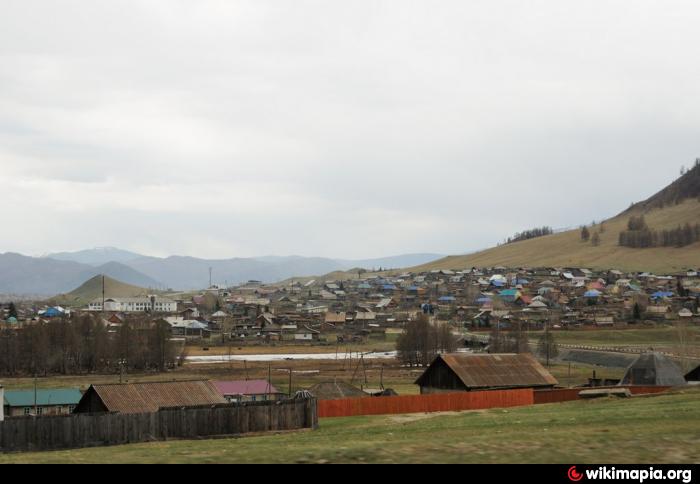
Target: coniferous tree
<point>637,312</point>
<point>585,234</point>
<point>12,311</point>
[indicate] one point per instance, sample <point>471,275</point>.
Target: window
<point>40,411</point>
<point>27,410</point>
<point>71,408</point>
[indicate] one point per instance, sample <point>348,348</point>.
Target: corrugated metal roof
<point>497,370</point>
<point>149,397</point>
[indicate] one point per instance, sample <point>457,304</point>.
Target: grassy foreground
<point>660,429</point>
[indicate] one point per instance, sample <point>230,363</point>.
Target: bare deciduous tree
<point>422,341</point>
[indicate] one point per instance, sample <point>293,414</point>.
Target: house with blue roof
<point>510,295</point>
<point>26,403</point>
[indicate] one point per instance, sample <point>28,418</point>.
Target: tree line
<point>422,341</point>
<point>530,234</point>
<point>640,236</point>
<point>84,345</point>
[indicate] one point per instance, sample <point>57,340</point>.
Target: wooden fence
<point>448,402</point>
<point>78,431</point>
<point>571,394</point>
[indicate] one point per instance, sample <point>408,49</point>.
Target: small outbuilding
<point>463,372</point>
<point>693,376</point>
<point>40,403</point>
<point>653,369</point>
<point>148,397</point>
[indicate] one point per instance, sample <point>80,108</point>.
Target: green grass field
<point>659,429</point>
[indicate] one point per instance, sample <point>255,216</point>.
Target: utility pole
<point>36,406</point>
<point>547,342</point>
<point>269,381</point>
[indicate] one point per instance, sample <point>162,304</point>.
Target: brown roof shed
<point>148,397</point>
<point>464,372</point>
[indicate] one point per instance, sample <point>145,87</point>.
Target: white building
<point>152,304</point>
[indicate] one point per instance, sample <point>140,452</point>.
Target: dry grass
<point>567,249</point>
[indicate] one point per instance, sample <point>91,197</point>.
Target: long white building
<point>153,304</point>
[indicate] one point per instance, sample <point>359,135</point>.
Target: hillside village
<point>479,306</point>
<point>355,310</point>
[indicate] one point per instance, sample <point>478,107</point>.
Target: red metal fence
<point>571,394</point>
<point>456,402</point>
<point>449,402</point>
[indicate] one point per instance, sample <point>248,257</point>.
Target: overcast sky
<point>363,128</point>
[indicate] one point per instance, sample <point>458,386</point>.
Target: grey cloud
<point>362,128</point>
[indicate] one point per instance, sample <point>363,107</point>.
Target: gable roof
<point>495,370</point>
<point>150,397</point>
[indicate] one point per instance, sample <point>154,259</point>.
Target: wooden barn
<point>463,372</point>
<point>148,397</point>
<point>693,376</point>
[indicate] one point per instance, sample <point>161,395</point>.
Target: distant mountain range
<point>47,277</point>
<point>62,272</point>
<point>97,256</point>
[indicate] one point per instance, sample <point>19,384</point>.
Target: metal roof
<point>149,397</point>
<point>496,370</point>
<point>44,398</point>
<point>653,368</point>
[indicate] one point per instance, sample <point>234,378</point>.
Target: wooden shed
<point>148,397</point>
<point>463,372</point>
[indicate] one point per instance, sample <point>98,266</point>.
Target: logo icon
<point>574,475</point>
